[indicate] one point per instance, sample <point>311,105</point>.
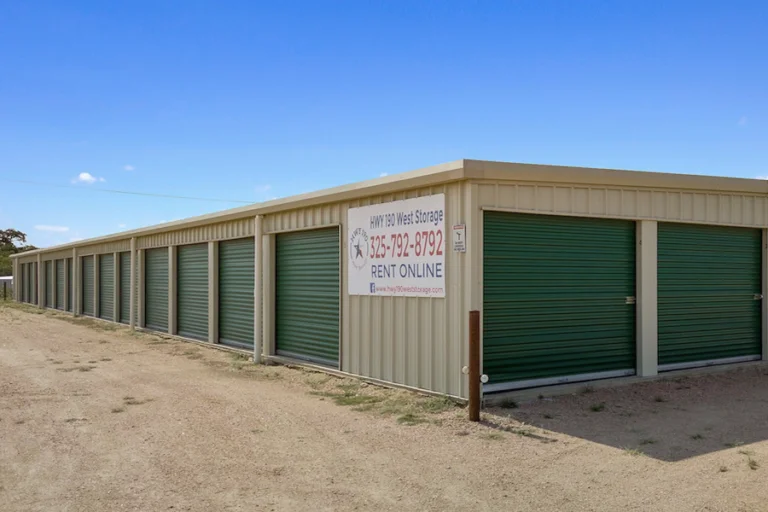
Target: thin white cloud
<point>86,177</point>
<point>263,189</point>
<point>121,226</point>
<point>75,239</point>
<point>129,168</point>
<point>743,121</point>
<point>384,174</point>
<point>54,229</point>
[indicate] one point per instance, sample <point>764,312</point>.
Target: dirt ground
<point>96,418</point>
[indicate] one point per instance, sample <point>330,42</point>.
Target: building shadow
<point>667,419</point>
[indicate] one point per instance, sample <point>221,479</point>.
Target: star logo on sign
<point>358,251</point>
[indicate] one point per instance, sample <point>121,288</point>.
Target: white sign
<point>459,238</point>
<point>397,248</point>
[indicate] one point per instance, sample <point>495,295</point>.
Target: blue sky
<point>254,100</point>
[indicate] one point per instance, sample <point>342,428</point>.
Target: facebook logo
<point>373,287</point>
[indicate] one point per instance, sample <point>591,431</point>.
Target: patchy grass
<point>118,409</point>
<point>317,381</point>
<point>105,359</point>
<point>492,436</point>
<point>135,401</point>
<point>411,419</point>
<point>634,452</point>
<point>734,444</point>
<point>697,437</point>
<point>748,453</point>
<point>752,463</point>
<point>73,420</point>
<point>158,342</point>
<point>508,403</point>
<point>647,441</point>
<point>723,469</point>
<point>597,407</point>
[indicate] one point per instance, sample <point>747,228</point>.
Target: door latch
<point>630,300</point>
<point>758,296</point>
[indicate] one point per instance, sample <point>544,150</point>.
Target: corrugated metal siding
<point>156,289</point>
<point>117,246</point>
<point>125,287</point>
<point>236,282</point>
<point>55,255</point>
<point>708,277</point>
<point>307,295</point>
<point>413,341</point>
<point>87,284</point>
<point>555,296</point>
<point>59,284</point>
<point>222,231</point>
<point>71,303</point>
<point>192,291</point>
<point>630,203</point>
<point>49,281</point>
<point>107,286</point>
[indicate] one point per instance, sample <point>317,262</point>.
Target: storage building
<point>579,274</point>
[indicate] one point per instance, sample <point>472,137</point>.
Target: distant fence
<point>6,290</point>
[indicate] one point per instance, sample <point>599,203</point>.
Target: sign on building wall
<point>397,248</point>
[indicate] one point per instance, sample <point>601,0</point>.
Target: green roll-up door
<point>709,282</point>
<point>307,295</point>
<point>236,282</point>
<point>558,299</point>
<point>35,285</point>
<point>192,291</point>
<point>60,284</point>
<point>125,287</point>
<point>87,286</point>
<point>49,280</point>
<point>71,302</point>
<point>107,286</point>
<point>156,290</point>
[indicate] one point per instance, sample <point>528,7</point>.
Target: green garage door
<point>709,280</point>
<point>49,280</point>
<point>156,290</point>
<point>71,302</point>
<point>35,290</point>
<point>107,286</point>
<point>558,299</point>
<point>87,286</point>
<point>60,284</point>
<point>125,287</point>
<point>236,282</point>
<point>307,295</point>
<point>192,291</point>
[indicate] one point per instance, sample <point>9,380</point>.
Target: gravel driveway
<point>96,418</point>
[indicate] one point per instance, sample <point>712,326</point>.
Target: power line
<point>127,192</point>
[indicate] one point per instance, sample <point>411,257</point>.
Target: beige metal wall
<point>221,231</point>
<point>412,341</point>
<point>625,203</point>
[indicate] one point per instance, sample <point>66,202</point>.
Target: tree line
<point>12,241</point>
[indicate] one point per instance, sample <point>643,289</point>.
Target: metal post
<point>474,366</point>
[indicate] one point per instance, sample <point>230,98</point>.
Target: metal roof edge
<point>483,169</point>
<point>441,173</point>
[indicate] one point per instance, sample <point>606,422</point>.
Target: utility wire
<point>127,192</point>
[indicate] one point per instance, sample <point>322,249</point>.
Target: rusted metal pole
<point>474,366</point>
